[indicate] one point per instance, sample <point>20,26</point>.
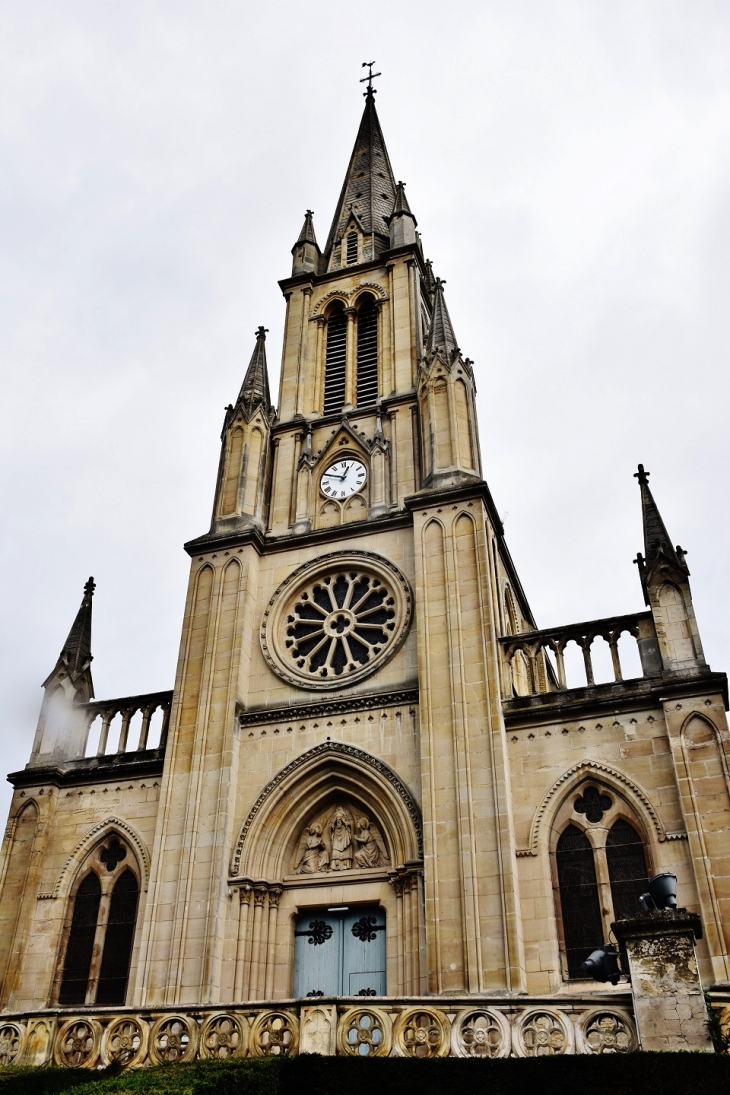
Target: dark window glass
<point>352,249</point>
<point>367,354</point>
<point>117,952</point>
<point>582,924</point>
<point>626,868</point>
<point>75,979</point>
<point>335,361</point>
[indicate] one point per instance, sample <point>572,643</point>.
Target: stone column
<point>669,1006</point>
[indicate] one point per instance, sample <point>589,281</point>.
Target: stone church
<point>377,813</point>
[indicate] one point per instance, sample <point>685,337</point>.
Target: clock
<point>343,478</point>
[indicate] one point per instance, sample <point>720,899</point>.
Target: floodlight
<point>662,892</point>
<point>602,965</point>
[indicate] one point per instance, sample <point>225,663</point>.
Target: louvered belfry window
<point>582,924</point>
<point>367,353</point>
<point>335,361</point>
<point>352,249</point>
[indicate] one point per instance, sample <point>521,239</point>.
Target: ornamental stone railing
<point>380,1027</point>
<point>127,707</point>
<point>534,661</point>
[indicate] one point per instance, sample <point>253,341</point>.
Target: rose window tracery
<point>11,1040</point>
<point>336,620</point>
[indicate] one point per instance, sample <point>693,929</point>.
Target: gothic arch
<point>97,835</point>
<point>603,773</point>
<point>284,804</point>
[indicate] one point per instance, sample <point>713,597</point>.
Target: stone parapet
<point>464,1026</point>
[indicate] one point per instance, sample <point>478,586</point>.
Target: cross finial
<point>369,78</point>
<point>262,332</point>
<point>642,476</point>
<point>89,588</point>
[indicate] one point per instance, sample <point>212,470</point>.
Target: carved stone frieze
<point>340,838</point>
<point>299,711</point>
<point>364,1032</point>
<point>481,1032</point>
<point>125,1040</point>
<point>224,1035</point>
<point>78,1043</point>
<point>421,1032</point>
<point>542,1032</point>
<point>173,1038</point>
<point>11,1043</point>
<point>334,749</point>
<point>274,1034</point>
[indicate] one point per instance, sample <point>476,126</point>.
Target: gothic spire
<point>307,233</point>
<point>658,547</point>
<point>369,189</point>
<point>255,389</point>
<point>76,656</point>
<point>441,332</point>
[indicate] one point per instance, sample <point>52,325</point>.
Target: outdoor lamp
<point>662,892</point>
<point>602,965</point>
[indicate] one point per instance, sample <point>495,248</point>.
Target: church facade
<point>377,815</point>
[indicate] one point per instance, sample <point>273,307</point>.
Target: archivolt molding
<point>605,774</point>
<point>317,757</point>
<point>94,836</point>
<point>348,298</point>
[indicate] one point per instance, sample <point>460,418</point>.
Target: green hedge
<point>629,1074</point>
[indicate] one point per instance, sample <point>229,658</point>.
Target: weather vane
<point>369,78</point>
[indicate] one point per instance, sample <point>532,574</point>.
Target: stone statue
<point>371,852</point>
<point>313,855</point>
<point>341,830</point>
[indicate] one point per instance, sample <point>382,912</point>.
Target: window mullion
<point>604,879</point>
<point>98,950</point>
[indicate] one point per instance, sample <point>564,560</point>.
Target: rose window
<point>336,619</point>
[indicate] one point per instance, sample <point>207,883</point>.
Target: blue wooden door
<point>340,953</point>
<point>364,952</point>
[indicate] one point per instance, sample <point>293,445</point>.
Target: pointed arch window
<point>100,932</point>
<point>601,868</point>
<point>335,359</point>
<point>367,351</point>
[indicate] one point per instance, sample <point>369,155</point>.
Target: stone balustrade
<point>534,661</point>
<point>127,707</point>
<point>407,1027</point>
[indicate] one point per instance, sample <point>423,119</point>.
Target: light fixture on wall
<point>602,964</point>
<point>662,893</point>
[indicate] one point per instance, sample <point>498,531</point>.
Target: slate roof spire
<point>369,189</point>
<point>255,388</point>
<point>441,332</point>
<point>76,656</point>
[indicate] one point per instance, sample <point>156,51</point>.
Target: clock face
<point>343,479</point>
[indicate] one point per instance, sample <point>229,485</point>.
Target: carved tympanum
<point>338,840</point>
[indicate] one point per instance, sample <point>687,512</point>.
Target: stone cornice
<point>340,705</point>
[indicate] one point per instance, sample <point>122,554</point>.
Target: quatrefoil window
<point>336,619</point>
<point>593,804</point>
<point>113,855</point>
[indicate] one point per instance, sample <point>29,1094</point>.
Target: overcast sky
<point>569,166</point>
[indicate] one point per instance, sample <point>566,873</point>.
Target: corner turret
<point>306,253</point>
<point>68,684</point>
<point>665,581</point>
<point>239,500</point>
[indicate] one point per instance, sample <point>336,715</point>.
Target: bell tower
<point>352,564</point>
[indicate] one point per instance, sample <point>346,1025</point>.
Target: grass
<point>624,1074</point>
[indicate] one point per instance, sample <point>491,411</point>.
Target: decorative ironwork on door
<point>340,953</point>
